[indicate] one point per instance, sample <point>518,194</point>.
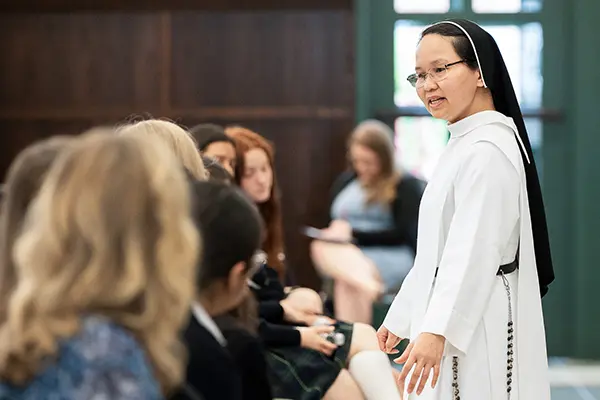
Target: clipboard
<point>317,234</point>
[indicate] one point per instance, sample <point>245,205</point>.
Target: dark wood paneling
<point>262,59</point>
<point>15,135</point>
<point>79,62</point>
<point>246,112</point>
<point>287,75</point>
<point>139,5</point>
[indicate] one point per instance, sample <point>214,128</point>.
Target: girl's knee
<point>365,330</point>
<point>306,299</point>
<point>364,337</point>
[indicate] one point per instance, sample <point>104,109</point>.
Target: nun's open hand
<point>425,355</point>
<point>387,340</point>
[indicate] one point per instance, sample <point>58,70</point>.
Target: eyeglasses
<point>437,74</point>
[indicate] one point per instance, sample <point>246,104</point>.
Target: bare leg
<point>306,299</point>
<point>364,338</point>
<point>348,264</point>
<point>354,303</point>
<point>351,303</point>
<point>344,388</point>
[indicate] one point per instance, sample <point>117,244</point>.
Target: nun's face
<point>451,98</point>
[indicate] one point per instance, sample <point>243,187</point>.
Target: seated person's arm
<point>270,310</point>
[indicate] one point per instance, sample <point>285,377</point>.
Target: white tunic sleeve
<point>486,210</point>
<point>397,319</point>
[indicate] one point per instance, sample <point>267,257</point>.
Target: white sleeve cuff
<point>457,330</point>
<point>397,320</point>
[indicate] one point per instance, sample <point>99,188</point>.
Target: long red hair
<point>246,140</point>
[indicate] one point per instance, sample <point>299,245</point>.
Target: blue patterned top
<point>103,362</point>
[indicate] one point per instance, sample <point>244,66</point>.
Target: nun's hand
<point>424,354</point>
<point>387,340</point>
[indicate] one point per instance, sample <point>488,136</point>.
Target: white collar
<point>472,122</point>
<point>206,321</point>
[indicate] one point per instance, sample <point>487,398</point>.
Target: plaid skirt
<point>297,373</point>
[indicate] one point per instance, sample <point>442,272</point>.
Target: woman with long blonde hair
<point>174,137</point>
<point>105,271</point>
<point>23,180</point>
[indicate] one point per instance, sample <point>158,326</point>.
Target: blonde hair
<point>109,234</point>
<point>176,138</point>
<point>23,180</point>
<point>378,137</point>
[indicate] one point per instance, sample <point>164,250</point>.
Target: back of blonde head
<point>109,234</point>
<point>176,138</point>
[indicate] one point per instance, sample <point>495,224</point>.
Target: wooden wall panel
<point>79,62</point>
<point>262,59</point>
<point>161,5</point>
<point>286,74</point>
<point>15,135</point>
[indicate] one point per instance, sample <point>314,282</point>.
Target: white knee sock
<point>373,373</point>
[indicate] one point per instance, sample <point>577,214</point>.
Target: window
<point>506,6</point>
<point>421,139</point>
<point>429,6</point>
<point>420,142</point>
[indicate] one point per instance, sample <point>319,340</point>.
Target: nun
<point>471,305</point>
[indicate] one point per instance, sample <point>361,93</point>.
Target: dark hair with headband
<point>206,134</point>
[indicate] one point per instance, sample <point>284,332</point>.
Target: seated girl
<point>105,266</point>
<point>231,229</point>
<point>375,206</point>
<point>305,361</point>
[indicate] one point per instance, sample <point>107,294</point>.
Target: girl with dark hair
<point>471,305</point>
<point>230,227</point>
<point>305,361</point>
<point>212,142</point>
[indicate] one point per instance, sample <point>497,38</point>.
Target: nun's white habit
<point>482,209</point>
